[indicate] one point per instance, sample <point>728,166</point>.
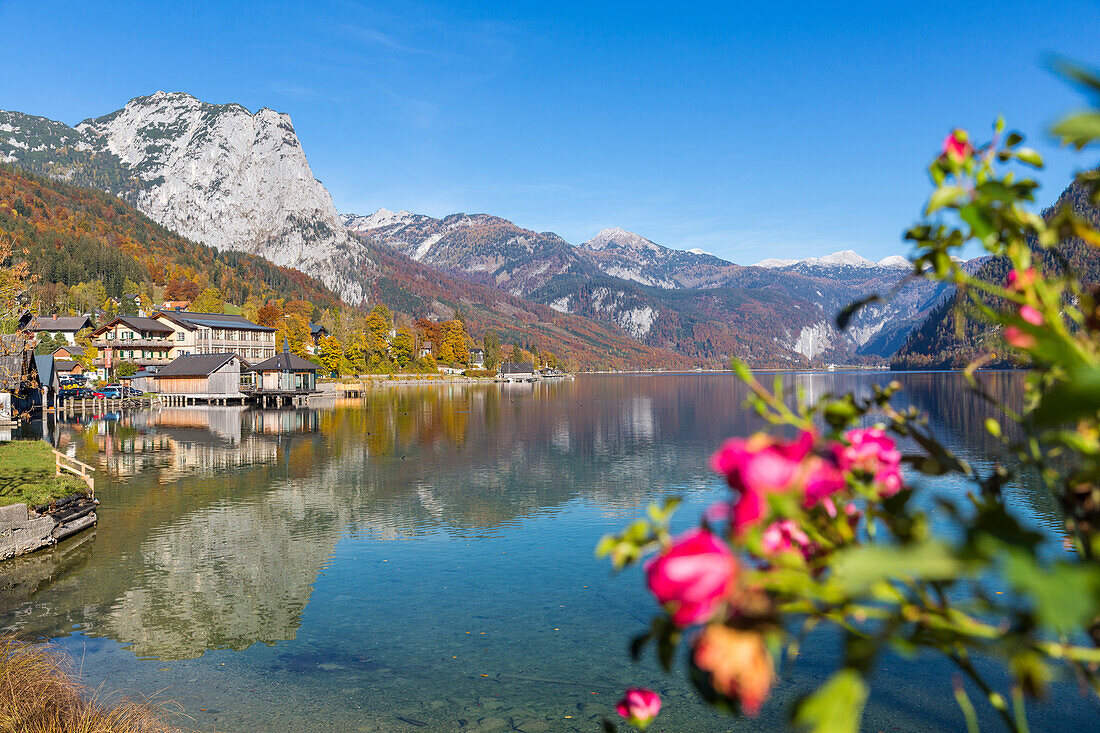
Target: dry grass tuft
<point>40,692</point>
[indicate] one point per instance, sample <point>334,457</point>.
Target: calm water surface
<point>422,559</point>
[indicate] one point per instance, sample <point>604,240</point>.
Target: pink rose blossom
<point>759,466</point>
<point>786,535</point>
<point>1031,315</point>
<point>1016,336</point>
<point>872,451</point>
<point>639,707</point>
<point>1020,280</point>
<point>957,147</point>
<point>692,576</point>
<point>823,479</point>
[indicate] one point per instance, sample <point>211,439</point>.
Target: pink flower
<point>888,481</point>
<point>957,147</point>
<point>639,707</point>
<point>784,536</point>
<point>854,514</point>
<point>759,466</point>
<point>871,451</point>
<point>1018,338</point>
<point>1020,280</point>
<point>692,576</point>
<point>761,463</point>
<point>868,450</point>
<point>823,479</point>
<point>1031,315</point>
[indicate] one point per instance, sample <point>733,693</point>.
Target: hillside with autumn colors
<point>73,238</point>
<point>411,287</point>
<point>71,235</point>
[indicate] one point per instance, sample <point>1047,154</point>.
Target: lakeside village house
<point>156,341</point>
<point>242,359</point>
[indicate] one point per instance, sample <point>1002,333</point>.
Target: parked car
<point>76,393</point>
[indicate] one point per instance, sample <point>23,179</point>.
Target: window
<point>180,336</point>
<point>128,336</point>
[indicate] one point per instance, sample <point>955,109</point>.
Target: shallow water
<point>422,559</point>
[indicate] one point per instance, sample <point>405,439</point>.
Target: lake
<point>422,559</point>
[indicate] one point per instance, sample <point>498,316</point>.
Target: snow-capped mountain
<point>845,258</point>
<point>217,174</point>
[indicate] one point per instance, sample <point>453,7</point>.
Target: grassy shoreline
<point>41,692</point>
<point>27,475</point>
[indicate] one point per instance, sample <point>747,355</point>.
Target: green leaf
<point>836,706</point>
<point>977,220</point>
<point>1078,129</point>
<point>943,196</point>
<point>1066,596</point>
<point>1030,157</point>
<point>859,568</point>
<point>1078,396</point>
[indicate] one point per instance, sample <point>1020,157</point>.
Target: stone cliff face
<point>217,174</point>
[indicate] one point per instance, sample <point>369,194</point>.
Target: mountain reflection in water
<point>225,528</point>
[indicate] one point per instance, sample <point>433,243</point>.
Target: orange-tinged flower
<point>738,662</point>
<point>1019,280</point>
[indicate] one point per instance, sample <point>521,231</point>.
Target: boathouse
<point>285,375</point>
<point>201,378</point>
<point>511,371</point>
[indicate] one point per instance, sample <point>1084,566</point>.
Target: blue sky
<point>749,130</point>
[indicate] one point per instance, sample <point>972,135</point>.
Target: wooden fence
<point>63,462</point>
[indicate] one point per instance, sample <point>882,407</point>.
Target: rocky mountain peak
<point>616,237</point>
<point>377,220</point>
<point>224,176</point>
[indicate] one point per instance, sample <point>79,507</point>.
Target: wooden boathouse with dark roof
<point>210,378</point>
<point>285,377</point>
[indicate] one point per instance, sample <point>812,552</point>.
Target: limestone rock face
<point>223,176</point>
<point>216,173</point>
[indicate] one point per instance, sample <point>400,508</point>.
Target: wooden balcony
<point>133,344</point>
<point>115,359</point>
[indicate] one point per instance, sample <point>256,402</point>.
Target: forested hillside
<point>425,292</point>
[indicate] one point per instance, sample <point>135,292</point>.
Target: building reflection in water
<point>216,521</point>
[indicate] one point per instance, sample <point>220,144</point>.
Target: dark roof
<point>316,328</point>
<point>44,365</point>
<point>196,365</point>
<point>511,367</point>
<point>285,361</point>
<point>72,350</point>
<point>137,323</point>
<point>13,361</point>
<point>64,365</point>
<point>60,323</point>
<point>213,320</point>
